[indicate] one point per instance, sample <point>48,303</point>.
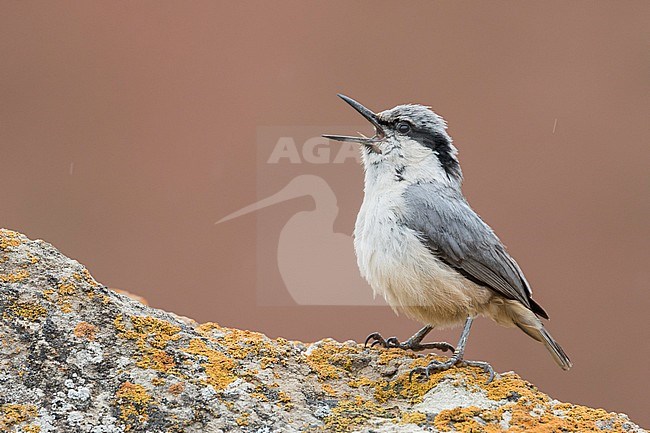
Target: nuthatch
<point>421,246</point>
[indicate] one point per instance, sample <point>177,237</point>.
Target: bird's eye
<point>403,127</point>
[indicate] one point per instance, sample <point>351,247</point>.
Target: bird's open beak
<point>370,142</point>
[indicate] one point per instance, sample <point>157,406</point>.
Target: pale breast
<point>398,266</point>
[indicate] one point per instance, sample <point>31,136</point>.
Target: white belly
<point>398,266</point>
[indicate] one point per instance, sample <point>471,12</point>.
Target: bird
<point>422,247</point>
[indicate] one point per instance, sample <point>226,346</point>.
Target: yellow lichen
<point>85,330</point>
<point>387,355</point>
<point>403,386</point>
<point>14,277</point>
<point>27,310</point>
<point>65,290</point>
<point>511,385</point>
<point>350,414</point>
<point>461,419</point>
<point>218,367</point>
<point>240,344</point>
<point>267,361</point>
<point>206,329</point>
<point>413,418</point>
<point>133,402</point>
<point>284,400</point>
<point>330,360</point>
<point>32,428</point>
<point>259,396</point>
<point>151,336</point>
<point>328,389</point>
<point>9,239</point>
<point>533,412</point>
<point>32,258</point>
<point>12,414</point>
<point>157,381</point>
<point>243,419</point>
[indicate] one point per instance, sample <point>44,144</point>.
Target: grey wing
<point>453,231</point>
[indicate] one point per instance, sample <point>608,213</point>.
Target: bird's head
<point>410,139</point>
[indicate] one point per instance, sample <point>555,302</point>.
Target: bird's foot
<point>454,361</point>
<point>410,344</point>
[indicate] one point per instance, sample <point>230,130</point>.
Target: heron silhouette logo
<point>315,262</point>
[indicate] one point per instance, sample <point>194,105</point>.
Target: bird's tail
<point>514,312</point>
<point>540,334</point>
<point>556,350</point>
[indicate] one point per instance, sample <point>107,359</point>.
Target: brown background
<point>128,129</point>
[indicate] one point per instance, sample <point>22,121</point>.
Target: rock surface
<point>78,357</point>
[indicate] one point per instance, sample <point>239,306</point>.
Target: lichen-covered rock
<point>78,357</point>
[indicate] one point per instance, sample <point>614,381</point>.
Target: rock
<point>78,357</point>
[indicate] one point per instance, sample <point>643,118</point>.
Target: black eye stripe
<point>441,146</point>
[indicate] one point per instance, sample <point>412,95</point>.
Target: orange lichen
<point>85,330</point>
<point>151,336</point>
<point>176,388</point>
<point>461,419</point>
<point>218,367</point>
<point>133,401</point>
<point>12,414</point>
<point>575,418</point>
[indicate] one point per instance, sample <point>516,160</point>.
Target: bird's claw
<point>378,340</point>
<point>386,343</point>
<point>394,343</point>
<point>437,366</point>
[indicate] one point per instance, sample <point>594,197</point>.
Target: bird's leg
<point>414,343</point>
<point>456,359</point>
